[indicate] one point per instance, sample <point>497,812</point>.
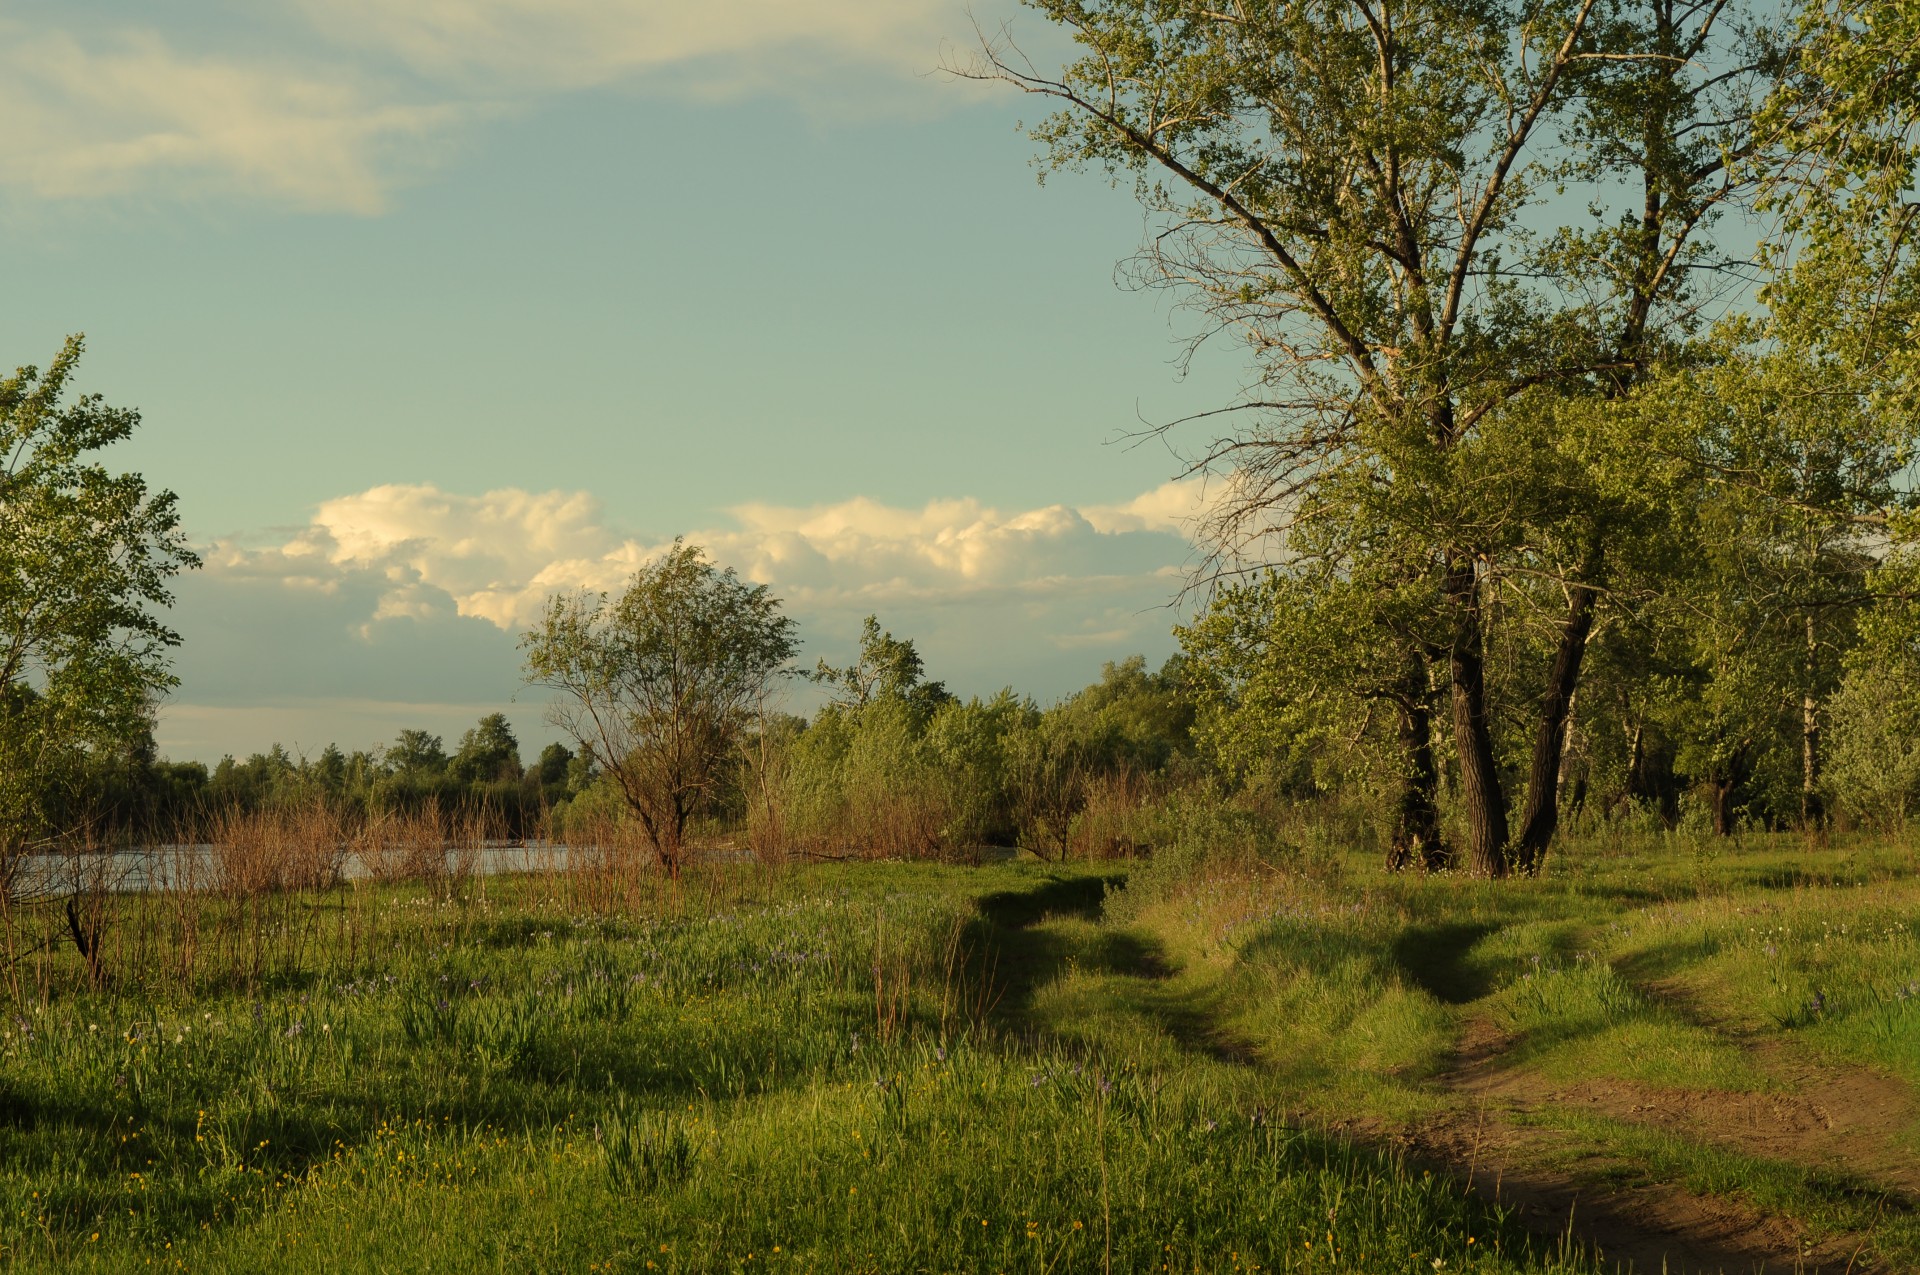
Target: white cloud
<point>352,95</point>
<point>422,552</point>
<point>1180,506</point>
<point>403,587</point>
<point>718,47</point>
<point>131,111</point>
<point>401,606</point>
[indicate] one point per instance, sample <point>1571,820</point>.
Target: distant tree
<point>886,667</point>
<point>1153,712</point>
<point>330,771</point>
<point>551,768</point>
<point>659,684</point>
<point>85,559</point>
<point>488,753</point>
<point>581,772</point>
<point>417,754</point>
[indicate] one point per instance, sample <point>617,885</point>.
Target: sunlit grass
<point>916,1067</point>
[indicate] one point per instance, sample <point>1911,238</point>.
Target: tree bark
<point>1722,785</point>
<point>1813,808</point>
<point>1416,826</point>
<point>1542,812</point>
<point>1482,800</point>
<point>1721,789</point>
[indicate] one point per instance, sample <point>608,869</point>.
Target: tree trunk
<point>1542,813</point>
<point>1813,809</point>
<point>1482,800</point>
<point>1721,789</point>
<point>1636,764</point>
<point>1722,785</point>
<point>1416,825</point>
<point>1575,800</point>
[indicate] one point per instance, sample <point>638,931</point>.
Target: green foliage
<point>488,753</point>
<point>660,685</point>
<point>886,668</point>
<point>1873,771</point>
<point>85,560</point>
<point>908,769</point>
<point>1283,670</point>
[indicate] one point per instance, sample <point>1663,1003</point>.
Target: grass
<point>913,1067</point>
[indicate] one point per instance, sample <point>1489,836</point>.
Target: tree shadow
<point>1072,896</point>
<point>1438,959</point>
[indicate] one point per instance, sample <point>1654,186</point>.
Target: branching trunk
<point>1483,801</point>
<point>1542,813</point>
<point>1722,785</point>
<point>1416,825</point>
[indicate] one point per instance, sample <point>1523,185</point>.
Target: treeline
<point>134,794</point>
<point>897,765</point>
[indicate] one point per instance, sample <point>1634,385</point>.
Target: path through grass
<point>883,1068</point>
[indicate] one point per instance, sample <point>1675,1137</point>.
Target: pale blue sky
<point>681,260</point>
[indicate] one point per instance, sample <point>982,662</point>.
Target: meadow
<point>1702,1052</point>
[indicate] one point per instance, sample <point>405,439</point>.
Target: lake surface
<point>201,867</point>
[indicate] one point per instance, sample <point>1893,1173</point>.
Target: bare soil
<point>1848,1120</point>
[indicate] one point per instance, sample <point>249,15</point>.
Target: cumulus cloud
<point>419,552</point>
<point>408,595</point>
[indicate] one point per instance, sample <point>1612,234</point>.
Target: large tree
<point>658,685</point>
<point>85,559</point>
<point>1373,194</point>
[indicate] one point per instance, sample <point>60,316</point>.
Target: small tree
<point>85,559</point>
<point>658,684</point>
<point>887,667</point>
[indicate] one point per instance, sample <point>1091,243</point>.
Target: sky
<point>432,309</point>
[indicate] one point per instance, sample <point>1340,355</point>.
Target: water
<point>174,867</point>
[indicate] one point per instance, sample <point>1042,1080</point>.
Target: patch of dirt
<point>1844,1119</point>
<point>1825,1114</point>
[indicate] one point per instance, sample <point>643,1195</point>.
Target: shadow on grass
<point>1072,896</point>
<point>1028,955</point>
<point>1439,959</point>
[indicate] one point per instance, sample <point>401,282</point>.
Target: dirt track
<point>1850,1121</point>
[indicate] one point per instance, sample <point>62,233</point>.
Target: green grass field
<point>1021,1067</point>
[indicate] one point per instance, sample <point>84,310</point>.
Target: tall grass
<point>812,1069</point>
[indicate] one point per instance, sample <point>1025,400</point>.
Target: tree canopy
<point>1460,443</point>
<point>658,685</point>
<point>86,557</point>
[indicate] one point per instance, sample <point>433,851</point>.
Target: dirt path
<point>1849,1121</point>
<point>1852,1122</point>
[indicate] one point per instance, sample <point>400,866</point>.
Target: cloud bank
<point>412,598</point>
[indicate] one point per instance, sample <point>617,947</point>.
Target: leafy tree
<point>658,685</point>
<point>552,766</point>
<point>85,560</point>
<point>1289,671</point>
<point>488,753</point>
<point>416,754</point>
<point>1151,712</point>
<point>330,770</point>
<point>1356,190</point>
<point>887,667</point>
<point>1874,769</point>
